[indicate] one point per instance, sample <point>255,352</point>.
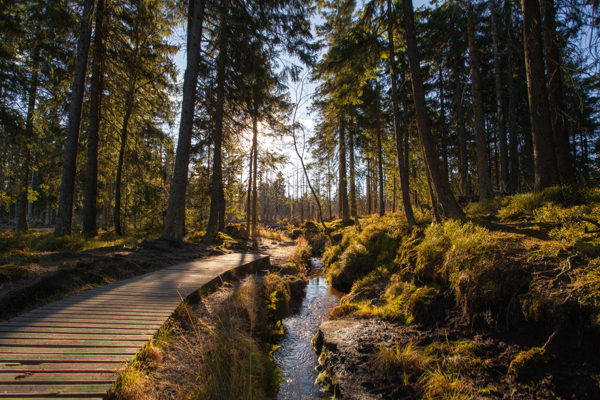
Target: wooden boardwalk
<point>71,348</point>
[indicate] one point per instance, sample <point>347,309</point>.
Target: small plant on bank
<point>406,359</point>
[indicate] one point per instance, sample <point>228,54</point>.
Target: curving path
<point>71,348</point>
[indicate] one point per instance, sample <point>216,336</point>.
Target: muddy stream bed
<point>296,357</point>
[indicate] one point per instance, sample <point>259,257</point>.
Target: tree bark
<point>402,170</point>
<point>345,211</point>
<point>175,220</point>
<point>124,134</point>
<point>557,104</point>
<point>379,153</point>
<point>22,203</point>
<point>217,173</point>
<point>254,184</point>
<point>442,124</point>
<point>352,174</point>
<point>545,163</point>
<point>442,186</point>
<point>503,149</point>
<point>512,112</point>
<point>483,167</point>
<point>91,173</point>
<point>250,180</point>
<point>462,136</point>
<point>67,186</point>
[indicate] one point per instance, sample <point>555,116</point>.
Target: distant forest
<point>413,109</point>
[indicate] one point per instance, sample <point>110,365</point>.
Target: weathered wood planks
<point>72,348</point>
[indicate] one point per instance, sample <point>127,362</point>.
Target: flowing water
<point>296,357</point>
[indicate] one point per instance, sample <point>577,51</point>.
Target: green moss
<point>341,311</point>
<point>527,362</point>
<point>353,264</point>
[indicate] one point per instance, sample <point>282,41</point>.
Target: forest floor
<point>502,306</point>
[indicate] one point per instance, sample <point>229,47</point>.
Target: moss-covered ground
<point>508,298</point>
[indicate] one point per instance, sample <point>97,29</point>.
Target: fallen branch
<point>569,261</point>
<point>550,338</point>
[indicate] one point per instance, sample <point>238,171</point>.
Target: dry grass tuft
<point>407,359</point>
<point>438,384</point>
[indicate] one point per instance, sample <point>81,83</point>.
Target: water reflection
<point>296,358</point>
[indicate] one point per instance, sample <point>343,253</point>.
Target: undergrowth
<point>437,370</point>
<point>31,242</point>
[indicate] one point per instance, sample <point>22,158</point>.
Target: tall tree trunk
<point>345,211</point>
<point>222,208</point>
<point>175,221</point>
<point>254,185</point>
<point>329,187</point>
<point>352,174</point>
<point>483,167</point>
<point>250,178</point>
<point>504,176</point>
<point>118,181</point>
<point>402,170</point>
<point>22,202</point>
<point>380,152</point>
<point>512,112</point>
<point>91,173</point>
<point>462,136</point>
<point>67,186</point>
<point>434,203</point>
<point>442,124</point>
<point>368,186</point>
<point>441,184</point>
<point>555,88</point>
<point>546,171</point>
<point>394,196</point>
<point>217,173</point>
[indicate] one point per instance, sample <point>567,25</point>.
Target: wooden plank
<point>68,336</point>
<point>87,325</point>
<point>62,350</point>
<point>61,358</point>
<point>61,367</point>
<point>64,391</point>
<point>117,319</point>
<point>71,343</point>
<point>76,330</point>
<point>113,307</point>
<point>38,377</point>
<point>99,313</point>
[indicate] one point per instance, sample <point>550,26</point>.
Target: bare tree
<point>300,100</point>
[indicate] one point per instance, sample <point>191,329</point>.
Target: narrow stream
<point>296,357</point>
